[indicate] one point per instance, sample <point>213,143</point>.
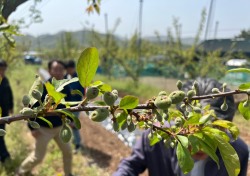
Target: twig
<point>9,119</point>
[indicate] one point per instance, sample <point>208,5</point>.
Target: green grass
<point>126,85</point>
<point>20,142</point>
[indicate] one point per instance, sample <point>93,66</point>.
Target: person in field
<point>162,161</point>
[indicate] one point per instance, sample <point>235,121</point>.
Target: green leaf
<point>57,96</point>
<point>129,102</point>
<point>154,139</point>
<point>105,88</point>
<point>208,139</point>
<point>193,142</point>
<point>183,140</point>
<point>229,156</point>
<point>0,112</point>
<point>228,125</point>
<point>76,92</point>
<point>87,65</point>
<point>59,84</point>
<point>193,119</point>
<point>212,131</point>
<point>244,86</point>
<point>72,116</point>
<point>37,85</point>
<point>244,111</point>
<point>10,40</point>
<point>205,118</point>
<point>237,70</point>
<point>208,150</point>
<point>184,158</point>
<point>45,120</point>
<point>96,84</point>
<point>122,118</point>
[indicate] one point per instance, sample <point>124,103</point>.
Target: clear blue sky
<point>70,15</point>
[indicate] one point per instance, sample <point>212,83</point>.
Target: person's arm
<point>242,150</point>
<point>10,98</point>
<point>136,163</point>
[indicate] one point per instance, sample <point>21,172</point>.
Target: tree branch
<point>9,119</point>
<point>10,6</point>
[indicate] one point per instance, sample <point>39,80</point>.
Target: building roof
<point>238,45</point>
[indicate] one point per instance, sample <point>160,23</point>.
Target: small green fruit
<point>179,121</point>
<point>248,91</point>
<point>179,84</point>
<point>215,90</point>
<point>65,134</point>
<point>183,107</point>
<point>165,116</point>
<point>196,85</point>
<point>92,92</point>
<point>161,93</point>
<point>116,126</point>
<point>109,98</point>
<point>115,92</point>
<point>224,85</point>
<point>177,96</point>
<point>150,135</point>
<point>26,100</point>
<point>27,112</point>
<point>190,94</point>
<point>36,94</point>
<point>172,144</point>
<point>224,106</point>
<point>131,127</point>
<point>163,102</point>
<point>2,132</point>
<point>34,124</point>
<point>124,126</point>
<point>99,115</point>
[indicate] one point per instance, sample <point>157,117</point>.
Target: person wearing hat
<point>6,104</point>
<point>161,161</point>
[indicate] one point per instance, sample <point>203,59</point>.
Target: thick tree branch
<point>10,6</point>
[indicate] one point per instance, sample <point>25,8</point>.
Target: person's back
<point>6,105</point>
<point>162,161</point>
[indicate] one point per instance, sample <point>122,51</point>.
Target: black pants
<point>4,154</point>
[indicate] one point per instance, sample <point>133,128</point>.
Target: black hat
<point>3,63</point>
<point>205,87</point>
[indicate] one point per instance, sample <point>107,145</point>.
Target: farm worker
<point>45,134</point>
<point>162,161</point>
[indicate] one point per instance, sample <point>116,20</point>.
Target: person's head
<point>205,87</point>
<point>3,67</point>
<point>56,69</point>
<point>71,67</point>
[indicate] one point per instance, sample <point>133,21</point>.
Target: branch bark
<point>10,6</point>
<point>9,119</point>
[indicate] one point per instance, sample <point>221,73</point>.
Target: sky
<point>70,15</point>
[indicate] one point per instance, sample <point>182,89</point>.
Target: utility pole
<point>209,18</point>
<point>216,29</point>
<point>139,37</point>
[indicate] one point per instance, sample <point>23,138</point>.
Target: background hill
<point>82,37</point>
